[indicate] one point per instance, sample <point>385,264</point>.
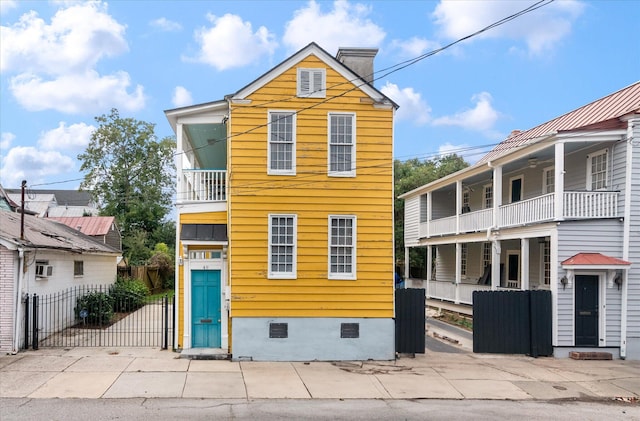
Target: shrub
<point>96,306</point>
<point>164,262</point>
<point>128,294</point>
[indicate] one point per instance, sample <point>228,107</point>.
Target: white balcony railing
<point>203,186</point>
<point>446,291</point>
<point>577,205</point>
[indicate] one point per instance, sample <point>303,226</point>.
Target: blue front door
<point>205,308</point>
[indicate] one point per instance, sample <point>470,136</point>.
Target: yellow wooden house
<point>285,214</point>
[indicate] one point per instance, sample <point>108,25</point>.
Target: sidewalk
<point>104,373</point>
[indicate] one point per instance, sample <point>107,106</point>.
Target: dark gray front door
<point>586,310</point>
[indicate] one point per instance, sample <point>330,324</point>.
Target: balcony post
<point>558,198</point>
<point>497,195</point>
<point>458,272</point>
<point>178,162</point>
<point>429,214</point>
<point>429,263</point>
<point>524,263</point>
<point>458,204</point>
<point>495,264</point>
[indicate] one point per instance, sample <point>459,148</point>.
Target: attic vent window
<point>278,330</point>
<point>311,83</point>
<point>350,330</point>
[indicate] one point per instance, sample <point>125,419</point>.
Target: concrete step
<point>589,355</point>
<point>205,354</point>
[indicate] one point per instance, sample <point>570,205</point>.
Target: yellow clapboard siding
<point>204,218</point>
<point>312,195</point>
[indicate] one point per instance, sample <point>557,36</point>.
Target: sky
<point>62,63</point>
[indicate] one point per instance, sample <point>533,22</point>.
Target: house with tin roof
<point>101,228</point>
<point>555,208</point>
<point>39,256</point>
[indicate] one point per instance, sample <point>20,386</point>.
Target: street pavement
<point>113,373</point>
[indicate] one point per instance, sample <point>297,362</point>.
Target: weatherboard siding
<point>411,221</point>
<point>311,195</point>
<point>8,272</point>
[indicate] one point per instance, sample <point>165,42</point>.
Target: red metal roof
<point>603,113</point>
<point>594,259</point>
<point>88,225</point>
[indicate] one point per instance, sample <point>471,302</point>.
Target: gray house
<point>555,207</point>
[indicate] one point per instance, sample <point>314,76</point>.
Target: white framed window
<point>597,166</point>
<point>342,247</point>
<point>545,254</point>
<point>548,180</point>
<point>342,144</point>
<point>464,250</point>
<point>487,196</point>
<point>78,268</point>
<point>282,246</point>
<point>486,255</point>
<point>282,143</point>
<point>311,83</point>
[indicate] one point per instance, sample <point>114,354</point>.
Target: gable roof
<point>37,203</point>
<point>602,114</point>
<point>63,197</point>
<point>88,225</point>
<point>314,49</point>
<point>46,234</point>
<point>5,201</point>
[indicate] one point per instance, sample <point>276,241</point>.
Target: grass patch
<point>457,320</point>
<point>158,295</point>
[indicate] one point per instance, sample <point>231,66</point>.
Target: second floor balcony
<point>202,186</point>
<point>576,205</point>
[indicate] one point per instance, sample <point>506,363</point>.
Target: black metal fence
<point>410,320</point>
<point>512,322</point>
<point>98,316</point>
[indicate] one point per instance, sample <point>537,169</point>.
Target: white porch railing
<point>527,211</point>
<point>590,204</point>
<point>446,291</point>
<point>203,186</point>
<point>577,205</point>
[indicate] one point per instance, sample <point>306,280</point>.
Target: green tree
<point>410,175</point>
<point>131,175</point>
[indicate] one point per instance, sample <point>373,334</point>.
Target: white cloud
<point>412,107</point>
<point>346,25</point>
<point>181,97</point>
<point>75,40</point>
<point>540,29</point>
<point>166,25</point>
<point>77,93</point>
<point>5,140</point>
<point>34,165</point>
<point>449,149</point>
<point>74,137</point>
<point>55,63</point>
<point>230,42</point>
<point>6,5</point>
<point>414,47</point>
<point>480,118</point>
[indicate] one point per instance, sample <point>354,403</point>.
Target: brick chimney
<point>360,60</point>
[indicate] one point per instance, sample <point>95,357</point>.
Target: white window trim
<point>545,186</point>
<point>352,172</point>
<point>511,180</point>
<point>292,171</point>
<point>354,264</point>
<point>484,196</point>
<point>464,260</point>
<point>541,283</point>
<point>590,175</point>
<point>314,91</point>
<point>294,273</point>
<point>506,268</point>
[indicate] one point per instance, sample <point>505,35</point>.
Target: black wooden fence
<point>95,316</point>
<point>512,322</point>
<point>410,320</point>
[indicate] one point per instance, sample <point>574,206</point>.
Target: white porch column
<point>429,214</point>
<point>179,158</point>
<point>406,265</point>
<point>428,262</point>
<point>495,264</point>
<point>524,263</point>
<point>558,198</point>
<point>497,195</point>
<point>458,272</point>
<point>458,204</point>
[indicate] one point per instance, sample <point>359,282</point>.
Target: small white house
<point>555,207</point>
<point>43,257</point>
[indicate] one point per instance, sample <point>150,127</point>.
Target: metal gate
<point>512,322</point>
<point>410,320</point>
<point>92,316</point>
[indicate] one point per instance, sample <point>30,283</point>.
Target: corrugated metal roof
<point>603,113</point>
<point>43,233</point>
<point>594,259</point>
<point>88,225</point>
<point>38,203</point>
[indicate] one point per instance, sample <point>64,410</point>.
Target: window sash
<point>488,196</point>
<point>598,166</point>
<point>463,259</point>
<point>282,137</point>
<point>341,144</point>
<point>549,180</point>
<point>342,247</point>
<point>282,246</point>
<point>78,268</point>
